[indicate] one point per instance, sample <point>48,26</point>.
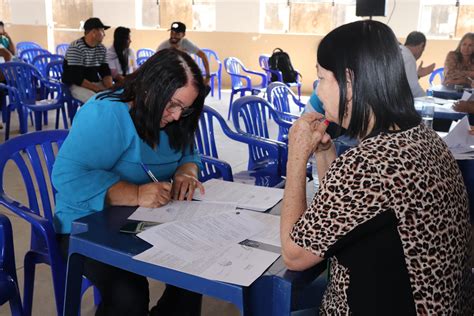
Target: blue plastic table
<point>277,292</point>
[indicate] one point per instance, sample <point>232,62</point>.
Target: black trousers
<point>126,293</point>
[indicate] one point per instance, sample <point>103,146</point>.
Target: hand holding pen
<point>153,194</point>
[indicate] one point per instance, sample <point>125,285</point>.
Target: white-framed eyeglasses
<point>174,107</point>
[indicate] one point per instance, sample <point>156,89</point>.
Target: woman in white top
<point>120,57</point>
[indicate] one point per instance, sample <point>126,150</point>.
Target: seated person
<point>86,71</point>
<point>392,213</point>
<point>459,64</point>
<point>7,47</point>
<point>149,118</point>
<point>120,57</point>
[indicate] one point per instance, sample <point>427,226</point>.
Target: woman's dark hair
<point>457,51</point>
<point>121,36</point>
<point>151,88</point>
<point>368,52</point>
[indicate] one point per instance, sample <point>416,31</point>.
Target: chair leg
<point>230,104</point>
<point>299,93</point>
<point>45,115</point>
<point>7,124</point>
<point>56,125</point>
<point>28,285</point>
<point>63,111</point>
<point>219,86</point>
<point>15,303</point>
<point>38,120</point>
<point>212,86</point>
<point>23,119</point>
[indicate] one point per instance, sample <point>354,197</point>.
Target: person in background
<point>391,214</point>
<point>150,118</point>
<point>177,40</point>
<point>7,47</point>
<point>120,57</point>
<point>459,64</point>
<point>86,71</point>
<point>415,44</point>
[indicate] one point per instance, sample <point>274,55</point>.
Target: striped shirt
<point>85,62</point>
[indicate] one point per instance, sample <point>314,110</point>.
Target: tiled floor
<point>230,151</point>
<point>43,303</point>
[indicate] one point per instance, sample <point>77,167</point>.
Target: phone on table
<point>135,227</point>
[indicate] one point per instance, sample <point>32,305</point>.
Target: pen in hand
<point>149,173</point>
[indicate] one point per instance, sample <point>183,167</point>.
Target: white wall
<point>238,16</point>
<point>115,12</point>
<point>28,12</point>
<point>404,18</point>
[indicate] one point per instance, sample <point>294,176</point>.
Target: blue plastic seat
<point>437,72</point>
<point>263,61</point>
<point>216,75</point>
<point>28,55</point>
<point>33,155</point>
<point>249,115</point>
<point>61,49</point>
<point>21,46</point>
<point>54,70</point>
<point>281,97</point>
<point>240,81</point>
<point>29,91</point>
<point>41,61</point>
<point>145,52</point>
<point>9,291</point>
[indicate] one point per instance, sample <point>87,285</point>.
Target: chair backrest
<point>21,46</point>
<point>233,66</point>
<point>145,52</point>
<point>141,60</point>
<point>213,60</point>
<point>41,61</point>
<point>8,280</point>
<point>28,55</point>
<point>263,62</point>
<point>54,70</point>
<point>24,78</point>
<point>437,72</point>
<point>282,97</point>
<point>61,49</point>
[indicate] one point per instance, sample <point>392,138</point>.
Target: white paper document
<point>237,264</point>
<point>246,196</point>
<point>190,239</point>
<point>467,96</point>
<point>459,140</point>
<point>271,232</point>
<point>181,210</point>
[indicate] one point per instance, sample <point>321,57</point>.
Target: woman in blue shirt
<point>149,119</point>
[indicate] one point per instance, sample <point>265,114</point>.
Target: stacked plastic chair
<point>28,55</point>
<point>264,64</point>
<point>61,49</point>
<point>21,46</point>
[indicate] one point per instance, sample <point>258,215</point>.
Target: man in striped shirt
<point>85,66</point>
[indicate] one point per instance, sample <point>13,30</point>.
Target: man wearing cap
<point>177,40</point>
<point>86,70</point>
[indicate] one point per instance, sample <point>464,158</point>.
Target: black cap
<point>178,27</point>
<point>94,23</point>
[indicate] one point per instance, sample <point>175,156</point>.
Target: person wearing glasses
<point>147,120</point>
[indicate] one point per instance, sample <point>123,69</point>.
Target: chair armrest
<point>247,79</point>
<point>256,73</point>
<point>276,73</point>
<point>12,93</point>
<point>224,168</point>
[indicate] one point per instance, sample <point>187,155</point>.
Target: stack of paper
<point>459,141</point>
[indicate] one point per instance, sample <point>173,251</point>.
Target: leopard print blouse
<point>412,174</point>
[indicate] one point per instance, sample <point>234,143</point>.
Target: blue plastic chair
<point>215,75</point>
<point>145,52</point>
<point>41,61</point>
<point>249,115</point>
<point>141,60</point>
<point>28,55</point>
<point>437,72</point>
<point>242,83</point>
<point>263,62</point>
<point>33,154</point>
<point>28,91</point>
<point>61,49</point>
<point>54,70</point>
<point>281,97</point>
<point>21,46</point>
<point>9,291</point>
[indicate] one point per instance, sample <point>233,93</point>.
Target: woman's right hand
<point>154,194</point>
<point>308,134</point>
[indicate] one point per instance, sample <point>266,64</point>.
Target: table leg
<point>72,299</point>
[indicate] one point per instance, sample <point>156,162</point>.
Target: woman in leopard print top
<point>391,213</point>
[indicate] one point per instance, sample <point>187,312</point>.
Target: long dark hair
<point>457,51</point>
<point>368,51</point>
<point>151,88</point>
<point>121,36</point>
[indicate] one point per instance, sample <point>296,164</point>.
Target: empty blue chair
<point>21,46</point>
<point>437,72</point>
<point>263,61</point>
<point>9,291</point>
<point>61,49</point>
<point>281,97</point>
<point>41,61</point>
<point>145,52</point>
<point>33,155</point>
<point>240,81</point>
<point>28,55</point>
<point>24,84</point>
<point>216,75</point>
<point>249,115</point>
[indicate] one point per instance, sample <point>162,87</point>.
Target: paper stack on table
<point>459,141</point>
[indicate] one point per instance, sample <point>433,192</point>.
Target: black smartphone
<point>135,227</point>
